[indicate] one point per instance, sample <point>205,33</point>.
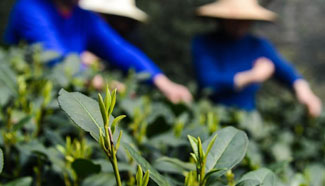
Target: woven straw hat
<point>125,8</point>
<point>236,9</point>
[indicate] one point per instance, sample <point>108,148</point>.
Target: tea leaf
<point>113,101</point>
<point>263,177</point>
<point>25,181</point>
<point>102,108</point>
<point>228,149</point>
<point>118,140</point>
<point>154,174</point>
<point>215,172</point>
<point>183,165</point>
<point>83,111</point>
<point>101,179</point>
<point>84,168</point>
<point>108,99</point>
<point>145,179</point>
<point>139,176</point>
<point>194,144</point>
<point>211,144</point>
<point>116,121</point>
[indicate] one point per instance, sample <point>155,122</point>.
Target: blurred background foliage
<point>298,33</point>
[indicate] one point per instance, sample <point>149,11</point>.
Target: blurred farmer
<point>233,63</point>
<point>60,25</point>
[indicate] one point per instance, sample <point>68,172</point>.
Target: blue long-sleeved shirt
<point>218,59</point>
<point>39,21</point>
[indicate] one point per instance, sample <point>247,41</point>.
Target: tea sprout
<point>200,158</point>
<point>106,139</point>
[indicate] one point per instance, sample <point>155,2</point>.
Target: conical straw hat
<point>236,9</point>
<point>125,8</point>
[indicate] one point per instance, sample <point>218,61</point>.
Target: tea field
<point>58,129</point>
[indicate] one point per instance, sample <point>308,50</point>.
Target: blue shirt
<point>218,59</point>
<point>39,21</point>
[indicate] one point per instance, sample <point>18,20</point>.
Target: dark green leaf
<point>83,111</point>
<point>101,179</point>
<point>228,150</point>
<point>145,165</point>
<point>264,177</point>
<point>184,165</point>
<point>25,181</point>
<point>84,168</point>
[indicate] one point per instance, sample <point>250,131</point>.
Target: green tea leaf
<point>139,176</point>
<point>83,111</point>
<point>25,181</point>
<point>113,101</point>
<point>108,99</point>
<point>145,180</point>
<point>214,172</point>
<point>183,165</point>
<point>101,179</point>
<point>115,122</point>
<point>154,174</point>
<point>117,146</point>
<point>264,177</point>
<point>102,108</point>
<point>194,144</point>
<point>200,149</point>
<point>228,149</point>
<point>211,144</point>
<point>84,168</point>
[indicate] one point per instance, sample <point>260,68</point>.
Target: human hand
<point>98,82</point>
<point>119,86</point>
<point>307,97</point>
<point>174,92</point>
<point>263,69</point>
<point>88,58</point>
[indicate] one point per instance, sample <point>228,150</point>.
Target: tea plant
<point>101,130</point>
<point>200,159</point>
<point>41,147</point>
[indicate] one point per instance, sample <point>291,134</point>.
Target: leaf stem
<point>115,167</point>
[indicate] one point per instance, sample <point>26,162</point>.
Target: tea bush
<point>47,114</point>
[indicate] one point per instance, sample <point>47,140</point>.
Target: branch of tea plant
<point>200,157</point>
<point>106,108</point>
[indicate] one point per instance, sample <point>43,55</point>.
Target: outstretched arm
<point>107,44</point>
<point>287,74</point>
